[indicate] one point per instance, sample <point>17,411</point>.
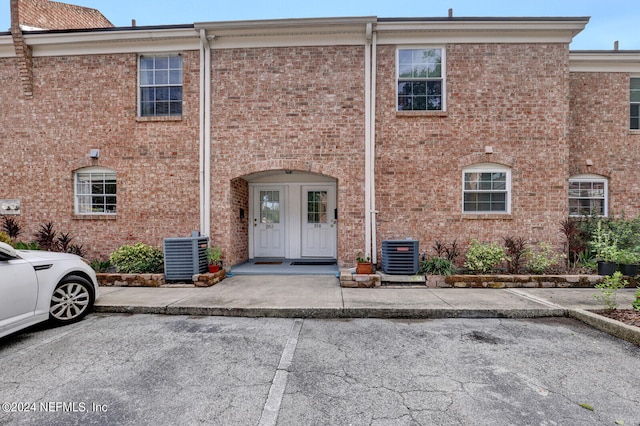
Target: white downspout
<point>205,134</point>
<point>367,144</point>
<point>372,149</point>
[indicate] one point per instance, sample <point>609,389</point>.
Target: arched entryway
<point>292,215</point>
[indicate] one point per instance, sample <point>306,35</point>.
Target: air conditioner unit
<point>400,257</point>
<point>184,257</point>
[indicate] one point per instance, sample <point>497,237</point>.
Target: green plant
<point>636,301</point>
<point>4,238</point>
<point>214,254</point>
<point>603,244</point>
<point>361,258</point>
<point>21,245</point>
<point>483,257</point>
<point>516,249</point>
<point>541,258</point>
<point>608,288</point>
<point>11,226</point>
<point>100,265</point>
<point>437,266</point>
<point>139,258</point>
<point>627,257</point>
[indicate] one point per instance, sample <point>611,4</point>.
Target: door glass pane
<point>317,207</point>
<point>269,206</point>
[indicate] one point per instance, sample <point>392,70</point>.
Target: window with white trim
<point>634,96</point>
<point>95,191</point>
<point>420,75</point>
<point>486,188</point>
<point>588,195</point>
<point>160,85</point>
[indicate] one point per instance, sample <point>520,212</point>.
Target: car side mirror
<point>7,252</point>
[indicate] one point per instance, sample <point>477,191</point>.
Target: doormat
<point>268,263</point>
<point>313,263</point>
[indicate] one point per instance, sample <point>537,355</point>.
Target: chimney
<point>450,13</point>
<point>615,45</point>
<point>133,22</point>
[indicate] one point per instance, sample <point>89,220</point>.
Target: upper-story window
<point>160,85</point>
<point>588,195</point>
<point>486,189</point>
<point>95,191</point>
<point>421,79</point>
<point>635,103</point>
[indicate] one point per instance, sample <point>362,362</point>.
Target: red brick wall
<point>600,132</point>
<point>52,15</point>
<point>298,108</point>
<point>85,102</point>
<point>512,97</point>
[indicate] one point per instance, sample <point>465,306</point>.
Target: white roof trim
<point>606,61</point>
<point>105,42</point>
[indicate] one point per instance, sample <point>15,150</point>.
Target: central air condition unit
<point>400,257</point>
<point>184,257</point>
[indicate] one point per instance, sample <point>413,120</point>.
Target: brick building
<point>314,137</point>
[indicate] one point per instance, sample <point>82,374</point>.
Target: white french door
<point>319,224</point>
<point>268,222</point>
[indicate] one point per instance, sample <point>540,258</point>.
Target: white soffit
<point>7,49</point>
<point>604,61</point>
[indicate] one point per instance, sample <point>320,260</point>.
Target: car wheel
<point>71,300</point>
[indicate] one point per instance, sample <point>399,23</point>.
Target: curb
<point>615,328</point>
<point>333,313</point>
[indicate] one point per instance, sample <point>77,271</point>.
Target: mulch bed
<point>627,316</point>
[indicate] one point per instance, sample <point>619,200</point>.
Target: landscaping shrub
<point>444,251</point>
<point>541,258</point>
<point>437,266</point>
<point>516,249</point>
<point>608,289</point>
<point>483,257</point>
<point>636,301</point>
<point>137,259</point>
<point>11,227</point>
<point>4,238</point>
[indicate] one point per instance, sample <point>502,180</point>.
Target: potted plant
<point>628,261</point>
<point>606,249</point>
<point>364,265</point>
<point>213,257</point>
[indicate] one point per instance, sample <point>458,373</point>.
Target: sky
<point>611,20</point>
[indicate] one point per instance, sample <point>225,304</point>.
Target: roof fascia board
<point>287,32</point>
<point>475,30</point>
<point>125,41</point>
<point>605,61</point>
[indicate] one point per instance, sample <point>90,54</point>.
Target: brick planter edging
<point>488,281</point>
<point>157,280</point>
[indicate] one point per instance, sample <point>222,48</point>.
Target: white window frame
<point>443,75</point>
<point>83,199</point>
<point>631,103</point>
<point>168,55</point>
<point>591,178</point>
<point>488,168</point>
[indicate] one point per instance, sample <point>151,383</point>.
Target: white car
<point>39,285</point>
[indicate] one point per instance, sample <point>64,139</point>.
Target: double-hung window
<point>95,191</point>
<point>160,85</point>
<point>486,189</point>
<point>635,104</point>
<point>420,75</point>
<point>588,195</point>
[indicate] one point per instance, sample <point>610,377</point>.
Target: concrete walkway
<point>305,296</point>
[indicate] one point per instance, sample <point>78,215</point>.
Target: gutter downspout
<point>367,144</point>
<point>372,148</point>
<point>205,134</point>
